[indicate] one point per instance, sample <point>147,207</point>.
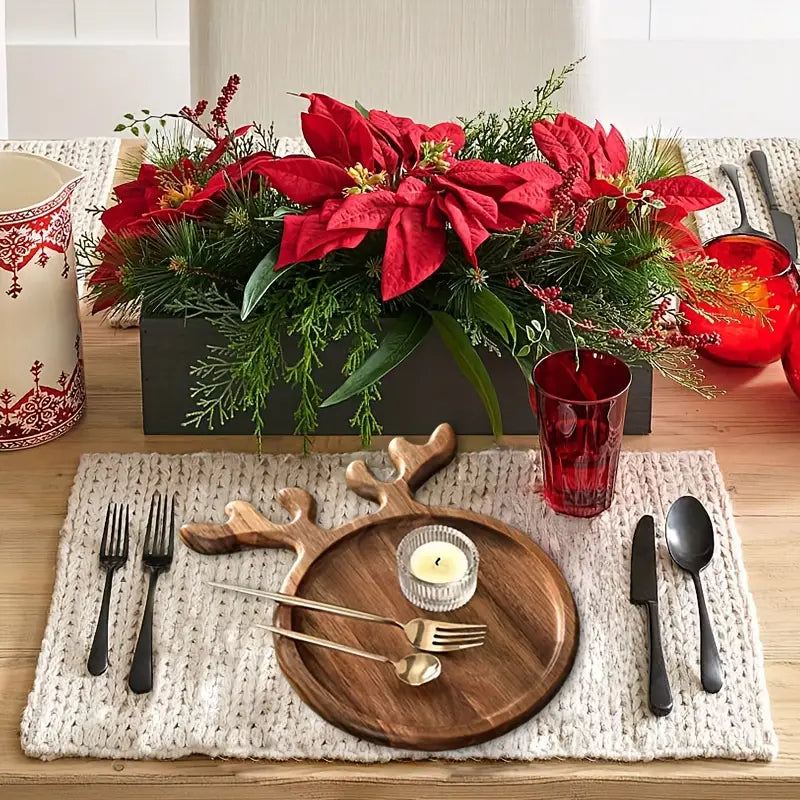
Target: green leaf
<point>163,123</point>
<point>264,275</point>
<point>361,110</point>
<point>128,116</point>
<point>400,342</point>
<point>120,127</point>
<point>145,111</point>
<point>469,362</point>
<point>146,127</point>
<point>279,213</point>
<point>135,131</point>
<point>493,311</point>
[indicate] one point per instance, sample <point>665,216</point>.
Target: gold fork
<point>425,634</point>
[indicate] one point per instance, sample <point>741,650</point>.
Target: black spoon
<point>732,173</point>
<point>690,539</point>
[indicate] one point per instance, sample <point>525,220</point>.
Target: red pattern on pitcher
<point>43,412</point>
<point>21,242</point>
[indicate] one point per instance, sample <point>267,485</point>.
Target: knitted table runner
<point>703,158</point>
<point>218,689</point>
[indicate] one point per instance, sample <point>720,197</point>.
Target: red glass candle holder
<point>791,358</point>
<point>750,341</point>
<point>580,401</point>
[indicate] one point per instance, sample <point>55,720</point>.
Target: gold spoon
<point>413,669</point>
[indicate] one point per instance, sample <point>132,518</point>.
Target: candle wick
<point>437,561</point>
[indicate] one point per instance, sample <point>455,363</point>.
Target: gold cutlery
<point>424,634</point>
<point>413,669</point>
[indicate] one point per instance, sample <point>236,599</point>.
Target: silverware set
<point>782,222</point>
<point>690,541</point>
<point>156,558</point>
<point>428,635</point>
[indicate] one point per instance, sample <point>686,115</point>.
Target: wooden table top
<point>755,430</point>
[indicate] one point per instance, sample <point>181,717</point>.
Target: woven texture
<point>703,158</point>
<point>218,689</point>
<point>96,159</point>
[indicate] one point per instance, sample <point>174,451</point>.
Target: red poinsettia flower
<point>158,197</point>
<point>603,157</point>
<point>391,173</point>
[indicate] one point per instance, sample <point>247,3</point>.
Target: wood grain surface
<point>482,692</point>
<point>755,432</point>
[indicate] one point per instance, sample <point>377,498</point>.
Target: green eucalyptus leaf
<point>488,307</point>
<point>264,275</point>
<point>120,127</point>
<point>135,130</point>
<point>128,116</point>
<point>146,127</point>
<point>145,111</point>
<point>162,122</point>
<point>399,343</point>
<point>361,110</point>
<point>469,362</point>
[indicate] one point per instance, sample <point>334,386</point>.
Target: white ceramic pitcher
<point>42,391</point>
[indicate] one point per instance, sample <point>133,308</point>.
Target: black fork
<point>113,554</point>
<point>157,558</point>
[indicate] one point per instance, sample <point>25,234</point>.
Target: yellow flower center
<point>434,155</point>
<point>174,196</point>
<point>364,180</point>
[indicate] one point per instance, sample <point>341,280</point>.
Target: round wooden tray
<point>482,692</point>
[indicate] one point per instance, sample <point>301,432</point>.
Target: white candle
<point>438,562</point>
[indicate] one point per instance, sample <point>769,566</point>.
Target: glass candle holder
<point>750,341</point>
<point>791,358</point>
<point>580,401</point>
<point>437,567</point>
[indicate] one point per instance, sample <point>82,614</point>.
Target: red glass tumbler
<point>580,402</point>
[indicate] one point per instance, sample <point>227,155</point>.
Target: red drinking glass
<point>749,341</point>
<point>580,401</point>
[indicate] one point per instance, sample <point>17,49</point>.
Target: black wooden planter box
<point>426,389</point>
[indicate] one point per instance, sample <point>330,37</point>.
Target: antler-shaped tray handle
<point>246,528</point>
<point>414,464</point>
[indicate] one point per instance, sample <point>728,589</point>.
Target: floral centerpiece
<point>508,235</point>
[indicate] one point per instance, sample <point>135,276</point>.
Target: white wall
<point>76,66</point>
<point>429,59</point>
<point>705,67</point>
<point>3,103</point>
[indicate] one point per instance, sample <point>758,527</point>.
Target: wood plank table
<point>755,430</point>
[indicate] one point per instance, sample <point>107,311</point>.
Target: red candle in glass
<point>580,400</point>
<point>791,358</point>
<point>750,341</point>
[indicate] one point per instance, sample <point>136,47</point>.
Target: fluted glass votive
<point>437,567</point>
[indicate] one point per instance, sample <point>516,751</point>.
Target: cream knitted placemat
<point>218,689</point>
<point>96,158</point>
<point>703,158</point>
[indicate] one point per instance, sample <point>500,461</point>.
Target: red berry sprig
<point>550,297</point>
<point>219,114</point>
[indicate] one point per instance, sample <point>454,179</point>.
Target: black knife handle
<point>710,666</point>
<point>759,161</point>
<point>660,694</point>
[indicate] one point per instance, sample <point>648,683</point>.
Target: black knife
<point>644,591</point>
<point>782,222</point>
